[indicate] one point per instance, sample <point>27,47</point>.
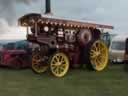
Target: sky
<point>112,12</point>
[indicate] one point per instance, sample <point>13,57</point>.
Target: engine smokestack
<point>47,6</point>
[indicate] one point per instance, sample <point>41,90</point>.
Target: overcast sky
<point>113,12</point>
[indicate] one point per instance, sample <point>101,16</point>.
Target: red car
<point>16,55</point>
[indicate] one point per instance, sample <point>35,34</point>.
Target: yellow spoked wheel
<point>38,65</point>
<point>59,64</point>
<point>98,55</point>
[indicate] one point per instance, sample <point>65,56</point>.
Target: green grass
<point>111,82</point>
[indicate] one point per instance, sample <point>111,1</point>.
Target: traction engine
<point>60,43</point>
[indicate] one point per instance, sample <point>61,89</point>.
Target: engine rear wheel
<point>99,55</point>
<point>38,64</point>
<point>59,64</point>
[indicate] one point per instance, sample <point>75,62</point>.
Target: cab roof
<point>29,19</point>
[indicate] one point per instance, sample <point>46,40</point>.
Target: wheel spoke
<point>93,56</point>
<point>98,61</point>
<point>93,51</point>
<point>53,63</point>
<point>62,68</point>
<point>55,59</point>
<point>103,50</point>
<point>60,58</point>
<point>56,70</point>
<point>95,48</point>
<point>54,67</point>
<point>63,62</point>
<point>98,47</point>
<point>63,65</point>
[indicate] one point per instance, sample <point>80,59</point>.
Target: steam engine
<point>64,41</point>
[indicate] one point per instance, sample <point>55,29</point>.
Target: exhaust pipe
<point>47,6</point>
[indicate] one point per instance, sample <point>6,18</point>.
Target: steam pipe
<point>47,6</point>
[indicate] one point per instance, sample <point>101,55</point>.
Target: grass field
<point>111,82</point>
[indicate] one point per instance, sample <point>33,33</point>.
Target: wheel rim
<point>99,55</point>
<point>37,64</point>
<point>59,64</point>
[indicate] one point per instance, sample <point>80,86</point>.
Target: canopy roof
<point>30,19</point>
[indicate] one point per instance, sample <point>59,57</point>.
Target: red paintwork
<point>15,58</point>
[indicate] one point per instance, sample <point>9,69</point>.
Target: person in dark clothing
<point>126,56</point>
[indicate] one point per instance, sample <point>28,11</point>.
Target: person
<point>126,56</point>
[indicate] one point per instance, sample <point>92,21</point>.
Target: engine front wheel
<point>38,64</point>
<point>59,64</point>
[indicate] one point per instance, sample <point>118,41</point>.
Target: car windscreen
<point>21,45</point>
<point>9,46</point>
<point>118,45</point>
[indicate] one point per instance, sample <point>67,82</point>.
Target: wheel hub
<point>58,64</point>
<point>98,53</point>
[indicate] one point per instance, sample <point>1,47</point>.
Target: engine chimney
<point>47,6</point>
